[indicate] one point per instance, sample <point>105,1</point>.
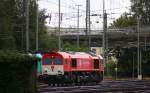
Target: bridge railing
<point>82,31</point>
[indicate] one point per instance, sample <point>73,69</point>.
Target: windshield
<point>58,61</point>
<point>47,61</point>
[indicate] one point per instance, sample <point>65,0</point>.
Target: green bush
<point>17,73</point>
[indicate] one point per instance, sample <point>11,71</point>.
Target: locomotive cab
<point>52,64</point>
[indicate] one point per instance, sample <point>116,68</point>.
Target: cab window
<point>47,61</point>
<point>58,61</point>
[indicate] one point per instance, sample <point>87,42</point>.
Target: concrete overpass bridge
<point>116,37</point>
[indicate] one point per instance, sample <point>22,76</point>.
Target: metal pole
<point>104,59</point>
<point>59,37</point>
<point>27,25</point>
<point>78,27</point>
<point>116,69</point>
<point>145,40</point>
<point>22,38</point>
<point>140,64</point>
<point>37,26</point>
<point>105,51</point>
<point>105,43</point>
<point>133,67</point>
<point>86,17</point>
<point>88,22</point>
<point>89,25</point>
<point>138,49</point>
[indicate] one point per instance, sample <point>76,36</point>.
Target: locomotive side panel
<point>82,64</point>
<point>67,65</point>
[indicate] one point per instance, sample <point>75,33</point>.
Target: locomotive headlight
<point>46,71</point>
<point>59,72</point>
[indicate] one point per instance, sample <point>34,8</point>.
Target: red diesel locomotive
<point>71,67</point>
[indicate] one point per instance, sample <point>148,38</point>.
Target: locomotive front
<point>52,64</point>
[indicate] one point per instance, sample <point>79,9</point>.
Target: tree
<point>141,7</point>
<point>72,46</point>
<point>6,24</point>
<point>138,8</point>
<point>12,26</point>
<point>125,20</point>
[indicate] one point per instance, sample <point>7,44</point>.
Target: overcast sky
<point>114,8</point>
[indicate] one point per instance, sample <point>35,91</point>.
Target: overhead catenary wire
<point>65,5</point>
<point>65,14</point>
<point>70,11</point>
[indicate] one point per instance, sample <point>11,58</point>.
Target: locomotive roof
<point>64,54</point>
<point>79,55</point>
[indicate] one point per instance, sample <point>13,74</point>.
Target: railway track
<point>122,86</point>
